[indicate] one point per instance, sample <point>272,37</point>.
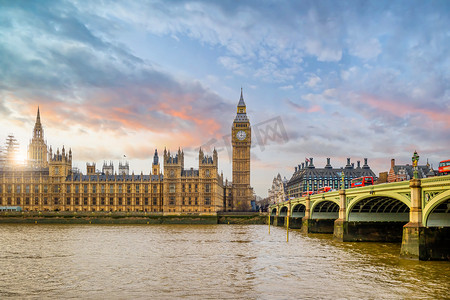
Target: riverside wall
<point>128,218</point>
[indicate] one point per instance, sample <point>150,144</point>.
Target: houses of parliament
<point>49,183</point>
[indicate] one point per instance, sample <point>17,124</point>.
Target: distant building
<point>382,178</point>
<point>406,172</point>
<point>277,192</point>
<point>307,177</point>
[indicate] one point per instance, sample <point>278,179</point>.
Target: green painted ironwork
<point>435,191</point>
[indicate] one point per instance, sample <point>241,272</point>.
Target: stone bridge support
<point>420,242</point>
<point>307,218</point>
<point>341,224</point>
<point>413,241</point>
<point>282,214</point>
<point>276,217</point>
<point>295,220</point>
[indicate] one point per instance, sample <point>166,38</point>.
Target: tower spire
<point>37,150</point>
<point>38,131</point>
<point>38,117</point>
<point>241,115</point>
<point>155,157</point>
<point>241,100</point>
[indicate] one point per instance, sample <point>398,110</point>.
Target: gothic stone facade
<point>49,183</point>
<point>277,193</point>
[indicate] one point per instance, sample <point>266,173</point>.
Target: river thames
<point>205,262</point>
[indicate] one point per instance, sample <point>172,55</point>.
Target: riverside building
<point>307,177</point>
<point>48,182</point>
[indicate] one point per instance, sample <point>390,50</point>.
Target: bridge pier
<point>356,231</point>
<point>295,222</point>
<point>420,242</point>
<point>278,221</point>
<point>339,224</point>
<point>317,225</point>
<point>413,240</point>
<point>425,243</point>
<point>305,219</point>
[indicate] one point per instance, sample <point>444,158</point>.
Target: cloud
<point>365,49</point>
<point>232,64</point>
<point>287,87</point>
<point>313,80</point>
<point>83,80</point>
<point>303,109</point>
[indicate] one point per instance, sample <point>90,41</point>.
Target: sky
<point>115,80</point>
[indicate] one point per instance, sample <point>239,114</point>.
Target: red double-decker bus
<point>362,181</point>
<point>304,194</point>
<point>444,167</point>
<point>324,190</point>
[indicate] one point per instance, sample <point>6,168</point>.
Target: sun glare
<point>20,158</point>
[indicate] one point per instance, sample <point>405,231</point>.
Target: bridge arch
<point>273,212</point>
<point>437,211</point>
<point>283,211</point>
<point>298,210</point>
<point>382,208</point>
<point>325,209</point>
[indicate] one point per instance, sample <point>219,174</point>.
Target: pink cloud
<point>404,109</point>
<point>183,119</point>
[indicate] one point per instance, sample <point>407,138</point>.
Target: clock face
<point>241,135</point>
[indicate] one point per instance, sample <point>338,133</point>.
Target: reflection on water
<point>211,261</point>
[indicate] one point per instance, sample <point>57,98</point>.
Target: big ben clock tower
<point>241,142</point>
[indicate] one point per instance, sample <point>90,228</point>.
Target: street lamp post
<point>342,180</point>
<point>415,161</point>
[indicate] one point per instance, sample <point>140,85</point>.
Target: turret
<point>108,169</point>
<point>156,158</point>
<point>155,166</point>
<point>200,155</point>
<point>37,149</point>
<point>215,157</point>
<point>60,164</point>
<point>124,168</point>
<point>173,165</point>
<point>90,168</point>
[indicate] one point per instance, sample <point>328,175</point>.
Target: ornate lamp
<point>415,161</point>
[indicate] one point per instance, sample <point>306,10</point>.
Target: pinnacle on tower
<point>38,117</point>
<point>155,157</point>
<point>241,100</point>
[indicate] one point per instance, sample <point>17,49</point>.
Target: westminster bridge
<point>415,212</point>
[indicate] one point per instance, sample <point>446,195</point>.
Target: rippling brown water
<point>207,262</point>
